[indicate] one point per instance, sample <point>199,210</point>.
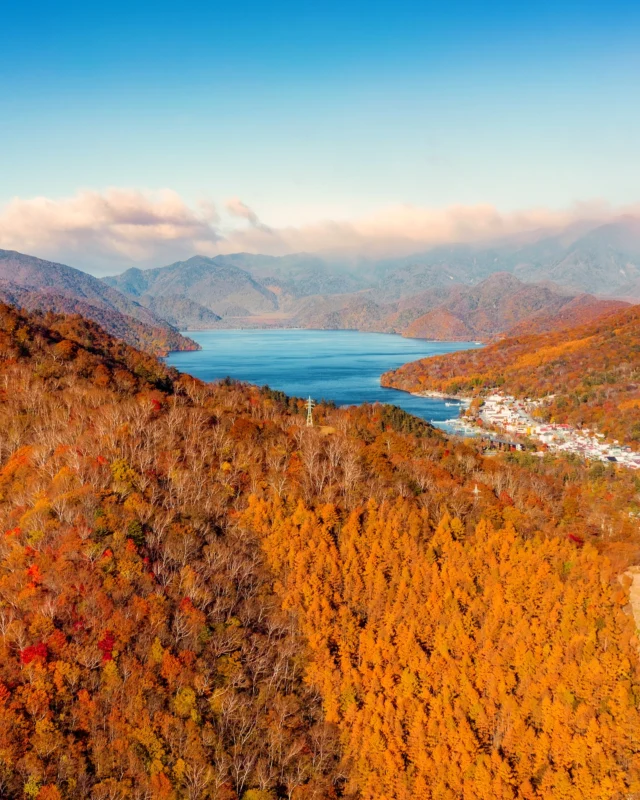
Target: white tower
<point>310,405</point>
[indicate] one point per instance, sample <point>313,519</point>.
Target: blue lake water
<point>343,366</point>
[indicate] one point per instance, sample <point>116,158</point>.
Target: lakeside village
<point>509,415</point>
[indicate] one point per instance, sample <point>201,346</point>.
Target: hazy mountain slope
<point>628,291</point>
<point>242,285</point>
<point>460,262</point>
<point>344,291</point>
<point>602,260</point>
<point>460,312</point>
<point>491,307</point>
<point>35,284</point>
<point>181,312</point>
<point>583,257</point>
<point>422,273</point>
<point>360,313</point>
<point>215,283</point>
<point>305,274</point>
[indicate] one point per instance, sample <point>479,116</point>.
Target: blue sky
<point>324,110</point>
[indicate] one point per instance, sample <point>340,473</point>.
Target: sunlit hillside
<point>591,373</point>
<point>201,597</point>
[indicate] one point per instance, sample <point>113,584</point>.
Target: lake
<point>343,366</point>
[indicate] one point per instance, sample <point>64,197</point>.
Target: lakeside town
<point>509,415</point>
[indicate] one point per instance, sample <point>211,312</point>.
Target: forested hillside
<point>159,339</point>
<point>142,650</point>
<point>37,285</point>
<point>590,374</point>
<point>200,597</point>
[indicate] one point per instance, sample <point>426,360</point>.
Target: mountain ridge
<point>459,312</point>
<point>297,289</point>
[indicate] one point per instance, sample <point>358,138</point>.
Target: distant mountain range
<point>537,282</point>
<point>454,292</point>
<point>34,284</point>
<point>601,259</point>
<point>492,307</point>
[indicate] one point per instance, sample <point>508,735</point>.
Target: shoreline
<point>450,418</point>
<point>465,426</point>
<point>462,400</point>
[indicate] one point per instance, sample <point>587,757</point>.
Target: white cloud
<point>111,230</point>
<point>116,227</point>
<point>405,229</point>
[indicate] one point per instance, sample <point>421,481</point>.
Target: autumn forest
<point>201,598</point>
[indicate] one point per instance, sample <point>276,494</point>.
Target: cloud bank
<point>109,229</point>
<point>118,228</point>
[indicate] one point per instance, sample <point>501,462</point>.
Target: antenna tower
<point>310,405</point>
